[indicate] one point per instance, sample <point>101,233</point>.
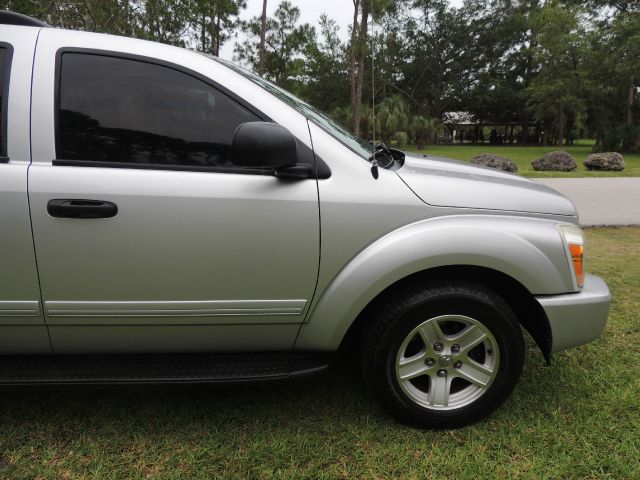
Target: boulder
<point>494,161</point>
<point>558,161</point>
<point>610,161</point>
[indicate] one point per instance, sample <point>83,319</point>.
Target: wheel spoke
<point>412,367</point>
<point>431,333</point>
<point>477,374</point>
<point>438,395</point>
<point>469,338</point>
<point>443,349</point>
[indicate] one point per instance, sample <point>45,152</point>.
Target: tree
<point>263,32</point>
<point>563,66</point>
<point>113,16</point>
<point>614,66</point>
<point>165,21</point>
<point>503,64</point>
<point>361,51</point>
<point>352,63</point>
<point>439,54</point>
<point>325,73</point>
<point>285,43</point>
<point>213,22</point>
<point>559,50</point>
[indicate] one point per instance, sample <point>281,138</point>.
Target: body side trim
<point>211,308</point>
<point>26,308</point>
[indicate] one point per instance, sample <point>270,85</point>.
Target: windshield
<point>358,145</point>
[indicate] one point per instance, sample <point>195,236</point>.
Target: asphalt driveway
<point>601,201</point>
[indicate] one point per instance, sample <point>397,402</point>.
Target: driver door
<point>177,249</point>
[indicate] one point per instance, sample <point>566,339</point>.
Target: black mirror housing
<point>263,145</point>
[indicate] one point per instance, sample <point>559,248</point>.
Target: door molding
<point>164,312</point>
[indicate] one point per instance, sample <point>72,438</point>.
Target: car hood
<point>450,183</point>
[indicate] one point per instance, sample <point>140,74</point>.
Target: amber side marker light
<point>577,255</point>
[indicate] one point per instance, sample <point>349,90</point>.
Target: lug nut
<point>455,348</point>
<point>457,364</point>
<point>438,347</point>
<point>429,362</point>
<point>442,373</point>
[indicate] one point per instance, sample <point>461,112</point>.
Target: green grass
<point>579,418</point>
<point>523,156</point>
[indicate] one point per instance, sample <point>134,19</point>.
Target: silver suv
<point>170,217</point>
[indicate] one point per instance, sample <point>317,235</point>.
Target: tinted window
<point>120,110</point>
<point>5,67</point>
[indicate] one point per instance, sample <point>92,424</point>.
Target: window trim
<point>4,107</point>
<point>147,166</point>
<point>161,166</point>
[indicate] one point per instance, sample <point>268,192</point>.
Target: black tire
<point>399,314</point>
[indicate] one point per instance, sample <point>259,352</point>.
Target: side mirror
<point>263,145</point>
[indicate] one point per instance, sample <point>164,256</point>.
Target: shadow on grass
<point>334,394</point>
<point>333,399</point>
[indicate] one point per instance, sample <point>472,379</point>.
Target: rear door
<point>22,328</point>
<point>180,251</point>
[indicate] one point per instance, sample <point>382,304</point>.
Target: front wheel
<point>443,356</point>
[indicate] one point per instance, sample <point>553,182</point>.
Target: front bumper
<point>577,318</point>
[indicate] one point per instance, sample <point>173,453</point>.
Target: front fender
<point>527,249</point>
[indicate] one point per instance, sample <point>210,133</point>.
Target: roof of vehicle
<point>13,18</point>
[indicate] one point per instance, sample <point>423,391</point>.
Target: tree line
<point>534,71</point>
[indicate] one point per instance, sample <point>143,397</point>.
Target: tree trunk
<point>362,51</point>
<point>545,133</point>
<point>263,31</point>
<point>352,65</point>
<point>203,34</point>
<point>216,43</point>
<point>562,121</point>
<point>630,100</point>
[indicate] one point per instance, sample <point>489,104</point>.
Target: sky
<point>310,10</point>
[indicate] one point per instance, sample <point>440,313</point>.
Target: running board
<point>157,369</point>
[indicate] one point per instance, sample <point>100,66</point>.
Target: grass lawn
<point>579,418</point>
<point>523,156</point>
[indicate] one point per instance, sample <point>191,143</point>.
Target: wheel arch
<point>526,308</point>
<point>518,256</point>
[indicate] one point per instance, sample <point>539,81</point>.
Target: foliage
<point>558,50</point>
<point>165,21</point>
<point>614,68</point>
<point>551,70</point>
<point>213,22</point>
<point>285,43</point>
<point>432,50</point>
<point>205,24</point>
<point>401,139</point>
<point>112,16</point>
<point>325,77</point>
<point>394,120</point>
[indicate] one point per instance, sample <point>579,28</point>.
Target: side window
<point>128,111</point>
<point>5,69</point>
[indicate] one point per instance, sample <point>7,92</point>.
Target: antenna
<point>373,80</point>
<point>374,166</point>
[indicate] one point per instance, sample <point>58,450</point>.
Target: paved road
<point>601,201</point>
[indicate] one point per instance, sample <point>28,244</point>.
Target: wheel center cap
<point>446,360</point>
